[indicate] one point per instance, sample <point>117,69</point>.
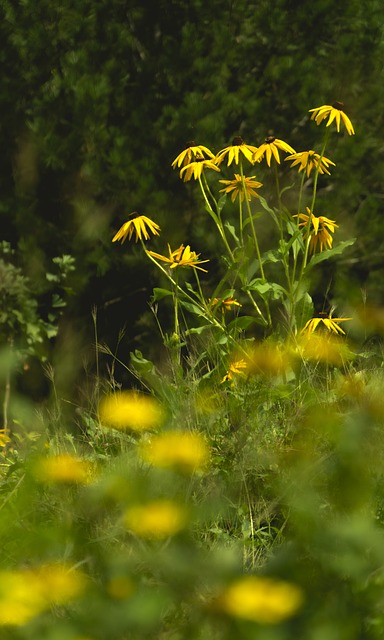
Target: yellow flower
<point>157,519</point>
<point>187,452</point>
<point>64,468</point>
<point>262,600</point>
<point>190,154</point>
<point>131,410</point>
<point>4,438</point>
<point>235,369</point>
<point>233,152</point>
<point>25,593</point>
<point>334,112</point>
<point>324,320</point>
<point>195,169</point>
<point>271,148</point>
<point>225,303</point>
<point>325,347</point>
<point>309,160</point>
<point>138,225</point>
<point>236,187</point>
<point>318,229</point>
<point>181,257</point>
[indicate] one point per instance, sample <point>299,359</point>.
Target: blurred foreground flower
<point>64,468</point>
<point>156,519</point>
<point>318,228</point>
<point>187,452</point>
<point>181,257</point>
<point>138,225</point>
<point>131,410</point>
<point>308,160</point>
<point>4,438</point>
<point>26,593</point>
<point>333,112</point>
<point>190,154</point>
<point>235,187</point>
<point>234,152</point>
<point>327,348</point>
<point>270,148</point>
<point>269,359</point>
<point>260,599</point>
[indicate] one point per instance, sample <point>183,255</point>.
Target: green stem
<point>215,216</point>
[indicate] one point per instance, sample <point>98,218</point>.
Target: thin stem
<point>216,217</point>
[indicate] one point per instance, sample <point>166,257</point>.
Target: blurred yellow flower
<point>181,257</point>
<point>190,154</point>
<point>270,149</point>
<point>235,150</point>
<point>332,324</point>
<point>187,452</point>
<point>318,228</point>
<point>260,599</point>
<point>235,369</point>
<point>64,468</point>
<point>131,410</point>
<point>321,347</point>
<point>269,359</point>
<point>334,112</point>
<point>4,438</point>
<point>138,225</point>
<point>309,160</point>
<point>235,187</point>
<point>26,593</point>
<point>195,169</point>
<point>156,519</point>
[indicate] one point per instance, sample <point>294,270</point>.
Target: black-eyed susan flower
<point>235,187</point>
<point>323,319</point>
<point>139,225</point>
<point>224,303</point>
<point>270,148</point>
<point>182,451</point>
<point>131,410</point>
<point>235,150</point>
<point>64,469</point>
<point>236,369</point>
<point>191,153</point>
<point>157,519</point>
<point>319,228</point>
<point>195,169</point>
<point>308,160</point>
<point>260,599</point>
<point>334,112</point>
<point>181,257</point>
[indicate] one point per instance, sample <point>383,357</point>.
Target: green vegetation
<point>191,441</point>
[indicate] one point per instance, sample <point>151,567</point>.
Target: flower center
<point>237,141</point>
<point>338,105</point>
<point>270,139</point>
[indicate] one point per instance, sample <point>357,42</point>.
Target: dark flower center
<point>270,139</point>
<point>237,141</point>
<point>191,143</point>
<point>338,105</point>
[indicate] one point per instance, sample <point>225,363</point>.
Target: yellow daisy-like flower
<point>309,160</point>
<point>270,149</point>
<point>195,169</point>
<point>323,319</point>
<point>334,112</point>
<point>64,468</point>
<point>235,369</point>
<point>138,225</point>
<point>181,257</point>
<point>233,152</point>
<point>131,410</point>
<point>192,152</point>
<point>225,303</point>
<point>186,452</point>
<point>261,599</point>
<point>4,438</point>
<point>157,519</point>
<point>319,229</point>
<point>235,187</point>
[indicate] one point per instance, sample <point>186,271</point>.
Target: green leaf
<point>329,253</point>
<point>159,294</point>
<point>191,307</point>
<point>241,323</point>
